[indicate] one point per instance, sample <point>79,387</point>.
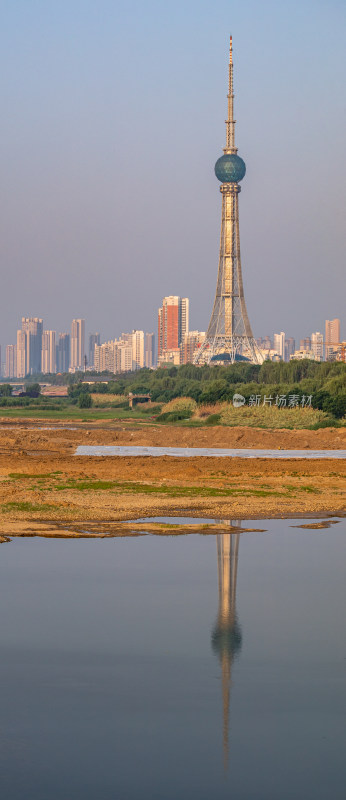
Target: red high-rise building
<point>173,324</point>
<point>332,338</point>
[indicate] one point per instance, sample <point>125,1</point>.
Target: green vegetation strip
<point>129,487</point>
<point>26,506</point>
<point>175,491</point>
<point>18,476</point>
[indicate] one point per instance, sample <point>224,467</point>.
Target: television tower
<point>229,336</point>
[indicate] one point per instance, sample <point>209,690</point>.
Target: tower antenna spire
<point>230,121</point>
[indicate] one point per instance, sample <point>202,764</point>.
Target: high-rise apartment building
<point>94,338</point>
<point>48,355</point>
<point>184,318</point>
<point>173,324</point>
<point>305,344</point>
<point>190,345</point>
<point>137,349</point>
<point>317,345</point>
<point>105,356</point>
<point>21,369</point>
<point>332,338</point>
<point>11,361</point>
<point>63,353</point>
<point>77,344</point>
<point>149,350</point>
<point>124,354</point>
<point>114,356</point>
<point>279,344</point>
<point>264,343</point>
<point>33,329</point>
<point>290,346</point>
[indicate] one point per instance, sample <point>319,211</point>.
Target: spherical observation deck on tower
<point>230,168</point>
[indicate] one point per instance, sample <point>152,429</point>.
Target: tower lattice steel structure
<point>229,336</point>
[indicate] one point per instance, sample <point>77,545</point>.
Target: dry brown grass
<point>261,416</point>
<point>101,400</point>
<point>271,417</point>
<point>210,408</point>
<point>180,404</point>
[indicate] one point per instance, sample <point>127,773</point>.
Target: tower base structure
<point>229,350</point>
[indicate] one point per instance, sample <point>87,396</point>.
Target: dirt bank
<point>58,436</point>
<point>41,480</point>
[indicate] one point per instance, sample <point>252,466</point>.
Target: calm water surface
<point>179,667</point>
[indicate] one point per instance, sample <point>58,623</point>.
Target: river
<point>175,667</point>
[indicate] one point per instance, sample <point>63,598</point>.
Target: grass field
<point>71,413</point>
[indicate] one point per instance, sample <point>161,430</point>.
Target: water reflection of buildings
<point>226,636</point>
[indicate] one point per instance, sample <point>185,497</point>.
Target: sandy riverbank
<point>43,485</point>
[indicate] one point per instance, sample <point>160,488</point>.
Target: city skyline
<point>75,351</point>
<point>70,163</point>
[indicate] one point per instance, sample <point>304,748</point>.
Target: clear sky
<point>112,118</point>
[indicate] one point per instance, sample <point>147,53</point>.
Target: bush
<point>5,390</point>
<point>148,408</point>
<point>178,409</point>
<point>75,389</point>
<point>335,405</point>
<point>213,419</point>
<point>184,405</point>
<point>174,416</point>
<point>85,400</point>
<point>32,390</point>
<point>99,388</point>
<point>326,423</point>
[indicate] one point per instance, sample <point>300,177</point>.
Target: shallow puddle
<point>190,452</point>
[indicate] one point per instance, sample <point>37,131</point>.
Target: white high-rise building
<point>48,357</point>
<point>11,361</point>
<point>77,351</point>
<point>279,344</point>
<point>137,349</point>
<point>124,357</point>
<point>21,369</point>
<point>114,356</point>
<point>317,345</point>
<point>105,356</point>
<point>184,317</point>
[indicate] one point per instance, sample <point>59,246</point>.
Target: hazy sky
<point>112,118</point>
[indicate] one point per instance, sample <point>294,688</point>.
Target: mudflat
<point>46,490</point>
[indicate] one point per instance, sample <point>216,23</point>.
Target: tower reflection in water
<point>226,635</point>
